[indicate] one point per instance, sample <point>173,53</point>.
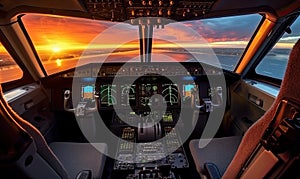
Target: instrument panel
<point>141,86</point>
<point>146,95</point>
<point>143,95</point>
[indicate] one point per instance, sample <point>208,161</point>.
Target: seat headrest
<point>290,86</point>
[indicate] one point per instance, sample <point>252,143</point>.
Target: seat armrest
<point>212,171</point>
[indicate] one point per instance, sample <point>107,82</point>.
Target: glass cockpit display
<point>108,95</point>
<point>128,95</point>
<point>147,91</point>
<point>87,92</point>
<point>170,94</point>
<point>188,90</point>
<point>144,94</point>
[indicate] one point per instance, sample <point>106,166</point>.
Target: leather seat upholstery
<point>77,157</point>
<point>209,154</point>
<point>290,88</point>
<point>65,158</point>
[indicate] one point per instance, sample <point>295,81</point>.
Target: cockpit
<point>136,89</point>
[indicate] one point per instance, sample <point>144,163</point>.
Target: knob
<point>67,94</point>
<point>132,12</point>
<point>169,12</point>
<point>160,12</point>
<point>171,3</point>
<point>160,3</point>
<point>144,3</point>
<point>150,3</point>
<point>130,3</point>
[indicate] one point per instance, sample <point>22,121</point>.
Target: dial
<point>170,93</point>
<point>128,95</point>
<point>145,101</point>
<point>148,89</point>
<point>188,91</point>
<point>87,92</point>
<point>108,95</point>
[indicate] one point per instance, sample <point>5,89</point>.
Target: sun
<point>56,49</point>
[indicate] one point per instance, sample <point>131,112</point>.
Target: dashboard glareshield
<point>103,134</point>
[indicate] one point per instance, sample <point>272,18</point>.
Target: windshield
<point>9,70</point>
<point>275,62</point>
<point>62,41</point>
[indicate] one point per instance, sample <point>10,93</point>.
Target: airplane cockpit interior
<point>149,89</point>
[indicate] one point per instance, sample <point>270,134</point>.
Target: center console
<point>142,106</point>
<point>162,156</point>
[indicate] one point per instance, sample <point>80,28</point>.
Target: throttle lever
<point>208,105</point>
<point>81,108</point>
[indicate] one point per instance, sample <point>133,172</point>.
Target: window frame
<point>278,31</point>
<point>26,77</point>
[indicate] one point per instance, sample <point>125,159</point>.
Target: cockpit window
<point>275,62</point>
<point>227,37</point>
<point>64,42</point>
<point>9,70</point>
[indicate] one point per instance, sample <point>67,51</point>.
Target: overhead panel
<point>121,10</point>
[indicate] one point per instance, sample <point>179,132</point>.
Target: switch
<point>160,3</point>
<point>171,3</point>
<point>169,12</point>
<point>160,12</point>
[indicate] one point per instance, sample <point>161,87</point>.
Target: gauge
<point>108,95</point>
<point>145,101</point>
<point>128,95</point>
<point>170,93</point>
<point>188,90</point>
<point>128,89</point>
<point>87,92</point>
<point>148,89</point>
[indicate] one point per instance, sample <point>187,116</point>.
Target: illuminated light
<point>58,62</point>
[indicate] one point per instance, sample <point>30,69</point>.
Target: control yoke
<point>82,107</point>
<point>209,105</point>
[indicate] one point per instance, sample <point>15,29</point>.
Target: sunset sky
<point>60,35</point>
<point>55,33</point>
